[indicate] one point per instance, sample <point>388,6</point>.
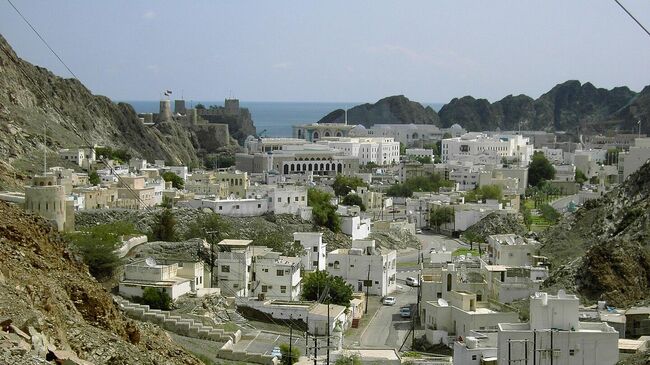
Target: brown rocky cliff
<point>33,97</point>
<point>43,286</point>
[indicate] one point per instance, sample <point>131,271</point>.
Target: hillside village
<point>429,243</point>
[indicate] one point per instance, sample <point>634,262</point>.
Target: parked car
<point>405,312</point>
<point>276,352</point>
<point>418,231</point>
<point>411,281</point>
<point>389,301</point>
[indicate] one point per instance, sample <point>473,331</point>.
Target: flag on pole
<point>168,92</point>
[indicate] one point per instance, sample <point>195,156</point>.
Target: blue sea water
<point>274,117</point>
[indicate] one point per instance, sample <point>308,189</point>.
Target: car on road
<point>418,231</point>
<point>389,301</point>
<point>411,281</point>
<point>405,312</point>
<point>276,352</point>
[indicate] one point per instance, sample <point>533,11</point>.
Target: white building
<point>554,155</point>
<point>636,156</point>
<point>315,256</point>
<point>511,250</point>
<point>174,279</point>
<point>409,134</point>
<point>275,276</point>
<point>554,332</point>
<point>380,150</point>
<point>515,148</point>
<point>82,157</point>
<point>234,261</point>
<point>352,224</point>
<point>364,264</point>
<point>461,313</point>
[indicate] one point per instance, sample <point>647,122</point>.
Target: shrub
<point>289,358</point>
<point>323,211</point>
<point>354,199</point>
<point>177,181</point>
<point>156,299</point>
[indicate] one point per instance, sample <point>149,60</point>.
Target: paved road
<point>388,329</point>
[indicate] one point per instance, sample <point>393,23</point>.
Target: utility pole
<point>328,332</point>
<point>211,235</point>
<point>290,341</point>
<point>367,287</point>
<point>315,348</point>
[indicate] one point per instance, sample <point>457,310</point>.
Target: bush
<point>549,213</point>
<point>177,181</point>
<point>314,284</point>
<point>97,246</point>
<point>354,199</point>
<point>287,357</point>
<point>93,178</point>
<point>540,170</point>
<point>323,211</point>
<point>344,184</point>
<point>440,216</point>
<point>164,229</point>
<point>156,299</point>
<point>353,359</point>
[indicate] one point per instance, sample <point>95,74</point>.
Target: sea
<point>274,118</point>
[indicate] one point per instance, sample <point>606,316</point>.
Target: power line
<point>633,18</point>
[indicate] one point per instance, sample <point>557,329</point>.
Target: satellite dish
<point>442,302</point>
<point>150,261</point>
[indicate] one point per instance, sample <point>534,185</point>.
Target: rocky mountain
<point>391,110</point>
<point>565,107</point>
<point>33,99</point>
<point>603,250</point>
<point>50,306</point>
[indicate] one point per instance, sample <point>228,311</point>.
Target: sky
<point>337,51</point>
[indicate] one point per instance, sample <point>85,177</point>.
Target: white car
<point>418,231</point>
<point>389,301</point>
<point>411,281</point>
<point>276,352</point>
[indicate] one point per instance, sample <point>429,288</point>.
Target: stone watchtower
<point>179,107</point>
<point>231,106</point>
<point>165,114</point>
<point>47,199</point>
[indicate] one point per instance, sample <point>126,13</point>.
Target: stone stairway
<point>179,324</point>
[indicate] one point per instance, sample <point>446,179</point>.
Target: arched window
<point>286,169</point>
<point>327,134</point>
<point>316,135</point>
<point>293,168</point>
<point>448,282</point>
<point>340,169</point>
<point>339,134</point>
<point>310,167</point>
<point>322,167</point>
<point>304,167</point>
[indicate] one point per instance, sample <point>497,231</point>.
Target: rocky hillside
<point>271,230</point>
<point>603,250</point>
<point>391,110</point>
<point>492,224</point>
<point>54,305</point>
<point>33,97</point>
<point>565,107</point>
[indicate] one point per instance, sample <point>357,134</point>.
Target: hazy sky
<point>430,51</point>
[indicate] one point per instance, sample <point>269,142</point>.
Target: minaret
<point>346,116</point>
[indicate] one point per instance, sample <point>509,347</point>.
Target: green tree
<point>314,284</point>
<point>580,177</point>
<point>218,161</point>
<point>354,199</point>
<point>289,358</point>
<point>430,182</point>
<point>353,359</point>
<point>402,149</point>
<point>177,181</point>
<point>540,170</point>
<point>526,215</point>
<point>344,184</point>
<point>199,106</point>
<point>549,213</point>
<point>323,211</point>
<point>93,178</point>
<point>164,228</point>
<point>424,159</point>
<point>441,215</point>
<point>97,246</point>
<point>156,299</point>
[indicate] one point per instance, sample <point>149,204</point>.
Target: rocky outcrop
<point>391,110</point>
<point>603,250</point>
<point>565,107</point>
<point>33,99</point>
<point>494,223</point>
<point>49,294</point>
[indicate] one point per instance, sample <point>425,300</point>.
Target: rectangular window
<point>283,289</point>
<point>279,272</point>
<point>265,288</point>
<point>315,263</point>
<point>296,198</point>
<point>315,248</point>
<point>572,352</point>
<point>259,205</point>
<point>302,198</point>
<point>225,268</point>
<point>220,207</point>
<point>279,200</point>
